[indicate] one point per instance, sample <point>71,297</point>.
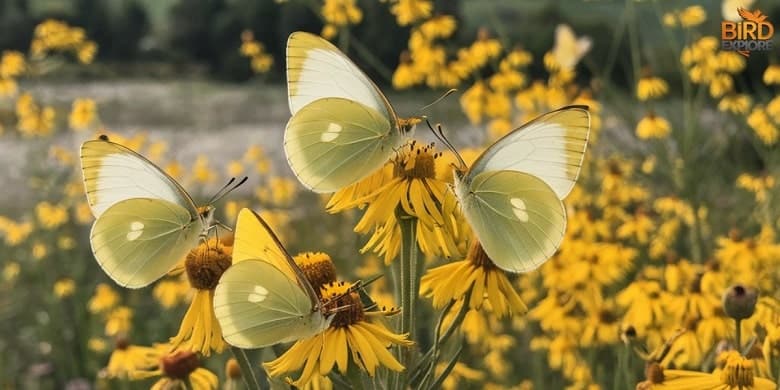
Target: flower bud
<point>739,302</point>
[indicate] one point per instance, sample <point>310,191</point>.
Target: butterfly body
<point>511,195</point>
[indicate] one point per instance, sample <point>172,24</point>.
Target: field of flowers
<point>666,278</point>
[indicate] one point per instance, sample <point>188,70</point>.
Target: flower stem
<point>408,285</point>
<point>246,369</point>
<point>739,333</point>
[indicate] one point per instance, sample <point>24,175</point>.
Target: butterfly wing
<point>264,298</point>
<point>113,173</point>
<point>137,241</point>
<point>551,147</point>
<point>254,240</point>
<point>258,305</point>
<point>569,50</point>
<point>517,218</point>
<point>316,69</point>
<point>334,142</point>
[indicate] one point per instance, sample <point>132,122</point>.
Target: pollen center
<point>136,229</point>
<point>416,162</point>
<point>333,132</point>
<point>206,263</point>
<point>258,294</point>
<point>518,208</point>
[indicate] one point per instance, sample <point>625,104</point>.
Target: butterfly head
<point>407,125</point>
<point>206,214</point>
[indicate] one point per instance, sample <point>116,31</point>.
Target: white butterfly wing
<point>316,69</point>
<point>550,147</point>
<point>113,173</point>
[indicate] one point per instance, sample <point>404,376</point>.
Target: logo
<point>753,33</point>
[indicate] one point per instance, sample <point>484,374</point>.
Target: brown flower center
<point>180,364</point>
<point>318,269</point>
<point>346,304</point>
<point>205,265</point>
<point>478,256</point>
<point>416,162</point>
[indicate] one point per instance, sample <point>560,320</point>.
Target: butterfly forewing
<point>137,241</point>
<point>551,147</point>
<point>316,69</point>
<point>113,173</point>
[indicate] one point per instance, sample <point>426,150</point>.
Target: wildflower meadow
<point>395,194</point>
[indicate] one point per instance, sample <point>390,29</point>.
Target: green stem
<point>409,275</point>
<point>246,369</point>
<point>739,334</point>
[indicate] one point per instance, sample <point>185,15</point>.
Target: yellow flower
<point>86,52</point>
<point>119,321</point>
<point>651,88</point>
<point>329,31</point>
<point>756,184</point>
<point>653,126</point>
<point>201,171</point>
<point>602,326</point>
<point>645,304</point>
<point>51,216</point>
<point>171,292</point>
<point>406,75</point>
<point>485,47</point>
<point>473,102</point>
<point>127,360</point>
<point>83,114</point>
<point>39,250</point>
<point>477,274</point>
<point>721,84</point>
<point>730,61</point>
<point>441,26</point>
<point>410,11</point>
<point>409,185</point>
<point>262,63</point>
<point>8,87</point>
<point>350,333</point>
<point>64,288</point>
<point>199,330</point>
<point>735,103</point>
<point>179,370</point>
<point>11,271</point>
<point>104,299</point>
<point>670,19</point>
<point>692,16</point>
<point>12,64</point>
<point>340,13</point>
<point>763,125</point>
<point>772,75</point>
<point>737,373</point>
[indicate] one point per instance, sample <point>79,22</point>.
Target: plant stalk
<point>247,372</point>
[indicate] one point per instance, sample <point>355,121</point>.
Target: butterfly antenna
<point>440,98</point>
<point>226,189</point>
<point>439,133</point>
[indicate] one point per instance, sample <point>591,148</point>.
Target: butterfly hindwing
<point>551,147</point>
<point>517,217</point>
<point>137,241</point>
<point>334,142</point>
<point>257,305</point>
<point>264,298</point>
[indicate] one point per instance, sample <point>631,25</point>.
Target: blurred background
<point>678,187</point>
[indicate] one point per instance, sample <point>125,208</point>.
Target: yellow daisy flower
<point>351,333</point>
<point>653,126</point>
<point>409,185</point>
<point>104,299</point>
<point>478,274</point>
<point>409,11</point>
<point>179,370</point>
<point>83,114</point>
<point>64,288</point>
<point>737,374</point>
<point>772,74</point>
<point>199,330</point>
<point>127,359</point>
<point>651,88</point>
